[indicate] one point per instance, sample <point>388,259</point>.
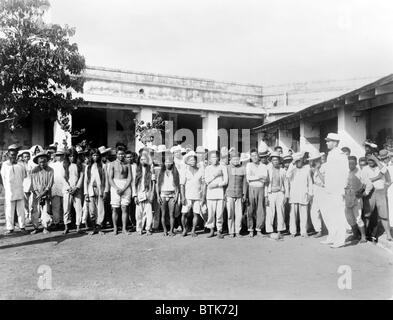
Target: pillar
<point>60,136</point>
<point>309,136</point>
<point>210,130</point>
<point>285,139</point>
<point>352,130</point>
<point>146,115</point>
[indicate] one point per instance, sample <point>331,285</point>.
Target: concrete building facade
<point>196,110</point>
<point>363,113</point>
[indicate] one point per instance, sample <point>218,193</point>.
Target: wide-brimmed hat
<point>80,150</point>
<point>188,155</point>
<point>176,149</point>
<point>287,157</point>
<point>315,155</point>
<point>13,147</point>
<point>371,144</point>
<point>60,152</point>
<point>20,152</point>
<point>162,148</point>
<point>53,146</point>
<point>298,156</point>
<point>34,148</point>
<point>383,154</point>
<point>200,149</point>
<point>264,154</point>
<point>103,150</point>
<point>332,137</point>
<point>244,157</point>
<point>275,154</point>
<point>39,155</point>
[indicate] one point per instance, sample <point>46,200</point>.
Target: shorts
<point>124,199</point>
<point>194,204</point>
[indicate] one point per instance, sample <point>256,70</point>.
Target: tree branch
<point>7,119</point>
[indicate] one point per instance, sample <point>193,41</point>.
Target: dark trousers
<point>375,208</point>
<point>256,208</point>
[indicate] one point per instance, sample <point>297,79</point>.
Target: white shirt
<point>58,178</point>
<point>336,172</point>
<point>13,176</point>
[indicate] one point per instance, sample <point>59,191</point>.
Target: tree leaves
<point>39,67</point>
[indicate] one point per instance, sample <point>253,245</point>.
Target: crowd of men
<point>177,190</point>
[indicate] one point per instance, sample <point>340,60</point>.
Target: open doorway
<point>95,125</point>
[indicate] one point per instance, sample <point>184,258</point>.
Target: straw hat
<point>315,155</point>
<point>162,148</point>
<point>298,156</point>
<point>188,155</point>
<point>244,157</point>
<point>200,149</point>
<point>275,154</point>
<point>34,148</point>
<point>103,150</point>
<point>60,152</point>
<point>383,154</point>
<point>21,152</point>
<point>177,148</point>
<point>39,155</point>
<point>332,137</point>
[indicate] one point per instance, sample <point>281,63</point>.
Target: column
<point>285,139</point>
<point>309,136</point>
<point>59,135</point>
<point>210,130</point>
<point>352,130</point>
<point>145,114</point>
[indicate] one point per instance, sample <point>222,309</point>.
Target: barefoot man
<point>120,178</point>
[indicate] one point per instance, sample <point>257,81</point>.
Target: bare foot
<point>149,233</point>
<point>193,234</point>
<point>165,234</point>
<point>211,234</point>
<point>184,233</point>
<point>251,234</point>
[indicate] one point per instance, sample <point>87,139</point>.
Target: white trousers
<point>333,214</point>
<point>215,210</point>
<point>235,214</point>
<point>316,208</point>
<point>10,207</point>
<point>143,214</point>
<point>276,206</point>
<point>70,201</point>
<point>28,205</point>
<point>40,213</point>
<point>298,210</point>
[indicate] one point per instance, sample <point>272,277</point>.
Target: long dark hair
<point>138,176</point>
<point>99,165</point>
<point>175,173</point>
<point>67,163</point>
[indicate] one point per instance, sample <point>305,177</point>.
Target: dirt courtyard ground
<point>143,267</point>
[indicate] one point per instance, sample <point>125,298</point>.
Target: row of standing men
<point>218,188</point>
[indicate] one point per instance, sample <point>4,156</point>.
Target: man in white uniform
<point>12,175</point>
<point>336,178</point>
